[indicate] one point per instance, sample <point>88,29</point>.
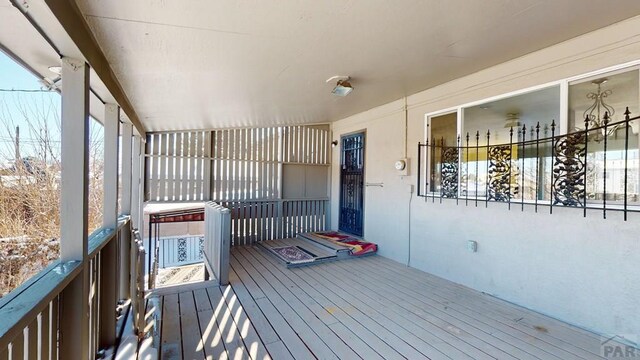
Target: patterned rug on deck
<point>293,254</point>
<point>357,247</point>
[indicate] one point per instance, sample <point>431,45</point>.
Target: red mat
<point>357,246</point>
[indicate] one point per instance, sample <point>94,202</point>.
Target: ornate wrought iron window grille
<point>532,169</point>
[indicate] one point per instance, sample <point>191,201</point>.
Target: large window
<point>443,131</point>
<point>589,99</point>
<point>532,146</point>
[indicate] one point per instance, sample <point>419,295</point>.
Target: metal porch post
<point>74,302</point>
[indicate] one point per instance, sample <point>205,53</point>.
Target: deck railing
<point>595,168</point>
<point>138,286</point>
<point>180,250</point>
<point>35,315</point>
<point>217,242</point>
<point>258,220</point>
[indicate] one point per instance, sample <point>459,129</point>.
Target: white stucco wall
<point>585,271</point>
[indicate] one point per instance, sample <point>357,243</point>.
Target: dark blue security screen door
<point>352,184</point>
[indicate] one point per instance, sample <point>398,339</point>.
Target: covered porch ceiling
<point>209,64</point>
<point>213,64</point>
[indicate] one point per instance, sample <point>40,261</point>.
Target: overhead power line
<point>26,90</point>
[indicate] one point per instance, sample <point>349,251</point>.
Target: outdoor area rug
<point>293,254</point>
<point>356,246</point>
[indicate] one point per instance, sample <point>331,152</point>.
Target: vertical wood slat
<point>236,165</point>
<point>230,165</point>
<point>155,173</point>
<point>239,163</point>
<point>17,347</point>
<point>177,172</point>
<point>184,151</point>
<point>185,160</point>
<point>321,151</point>
<point>192,166</point>
<point>291,144</point>
<point>53,332</point>
<point>196,155</point>
<point>162,175</point>
<point>264,164</point>
<point>207,163</point>
<point>258,221</point>
<point>214,165</point>
<point>44,331</point>
<point>32,340</point>
<point>188,162</point>
<point>306,145</point>
<point>274,149</point>
<point>241,219</point>
<point>249,159</point>
<point>171,159</point>
<point>90,312</point>
<point>225,166</point>
<point>220,135</point>
<point>92,316</point>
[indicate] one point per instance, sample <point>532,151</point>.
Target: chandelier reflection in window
<point>596,112</point>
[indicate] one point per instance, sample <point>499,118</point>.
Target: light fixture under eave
<point>343,86</point>
<point>56,69</point>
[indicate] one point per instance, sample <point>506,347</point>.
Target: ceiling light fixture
<point>56,69</point>
<point>594,113</point>
<point>343,86</point>
<point>512,121</point>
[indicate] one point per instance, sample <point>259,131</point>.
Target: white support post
<point>109,254</point>
<point>127,137</point>
<point>143,172</point>
<point>135,213</point>
<point>136,180</point>
<point>74,305</point>
<point>111,145</point>
<point>125,239</point>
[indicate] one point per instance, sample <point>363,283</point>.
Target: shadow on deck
<point>370,308</point>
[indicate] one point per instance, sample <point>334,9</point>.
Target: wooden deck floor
<point>369,308</point>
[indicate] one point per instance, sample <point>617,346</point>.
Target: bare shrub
<point>30,189</point>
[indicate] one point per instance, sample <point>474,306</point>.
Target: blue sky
<point>14,76</point>
<point>31,111</point>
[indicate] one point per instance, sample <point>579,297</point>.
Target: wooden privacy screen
<point>274,180</point>
<point>226,165</point>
